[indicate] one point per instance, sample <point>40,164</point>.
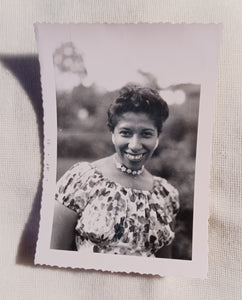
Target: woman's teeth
<point>134,157</point>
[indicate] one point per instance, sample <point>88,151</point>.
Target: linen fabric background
<point>21,154</point>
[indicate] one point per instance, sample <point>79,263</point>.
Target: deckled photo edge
<point>45,255</point>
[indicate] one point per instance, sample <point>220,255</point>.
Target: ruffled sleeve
<point>173,199</point>
<point>70,189</point>
<point>172,202</point>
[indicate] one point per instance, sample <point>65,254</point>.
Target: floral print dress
<point>115,219</point>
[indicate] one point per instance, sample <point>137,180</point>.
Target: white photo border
<point>47,35</point>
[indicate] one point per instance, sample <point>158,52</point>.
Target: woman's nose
<point>135,143</point>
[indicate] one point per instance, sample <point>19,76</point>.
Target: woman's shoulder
<point>80,166</point>
<point>165,185</point>
<point>69,188</point>
<point>168,192</point>
<point>78,170</point>
<point>102,162</point>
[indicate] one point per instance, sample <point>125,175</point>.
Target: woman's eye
<point>147,134</point>
<point>125,133</point>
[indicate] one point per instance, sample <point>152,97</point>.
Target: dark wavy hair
<point>134,98</point>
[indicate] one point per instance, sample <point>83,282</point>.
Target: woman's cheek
<point>122,141</point>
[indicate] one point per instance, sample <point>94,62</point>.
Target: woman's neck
<point>108,168</point>
<point>123,168</point>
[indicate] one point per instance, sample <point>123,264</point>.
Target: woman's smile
<point>135,138</point>
<point>134,157</point>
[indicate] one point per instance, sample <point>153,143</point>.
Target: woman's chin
<point>131,162</point>
<point>134,164</point>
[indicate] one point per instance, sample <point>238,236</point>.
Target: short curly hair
<point>134,98</point>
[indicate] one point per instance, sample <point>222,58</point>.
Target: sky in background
<point>114,55</point>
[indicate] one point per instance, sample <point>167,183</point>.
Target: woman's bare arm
<point>63,229</point>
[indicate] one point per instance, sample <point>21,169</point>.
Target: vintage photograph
<point>122,157</point>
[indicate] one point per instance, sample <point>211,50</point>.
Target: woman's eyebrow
<point>148,129</point>
<point>125,128</point>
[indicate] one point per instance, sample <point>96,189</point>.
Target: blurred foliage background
<point>84,136</point>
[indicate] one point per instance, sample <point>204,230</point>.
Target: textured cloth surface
<point>21,154</point>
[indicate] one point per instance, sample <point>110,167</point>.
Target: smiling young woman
<point>135,138</point>
<point>114,205</point>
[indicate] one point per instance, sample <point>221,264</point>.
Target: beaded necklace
<point>124,169</point>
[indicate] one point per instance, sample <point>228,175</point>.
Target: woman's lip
<point>135,153</point>
<point>136,156</point>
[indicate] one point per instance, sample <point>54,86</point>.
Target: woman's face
<point>135,138</point>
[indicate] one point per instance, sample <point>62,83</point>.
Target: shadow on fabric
<point>27,71</point>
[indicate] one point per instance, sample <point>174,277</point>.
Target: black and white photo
<point>127,116</point>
